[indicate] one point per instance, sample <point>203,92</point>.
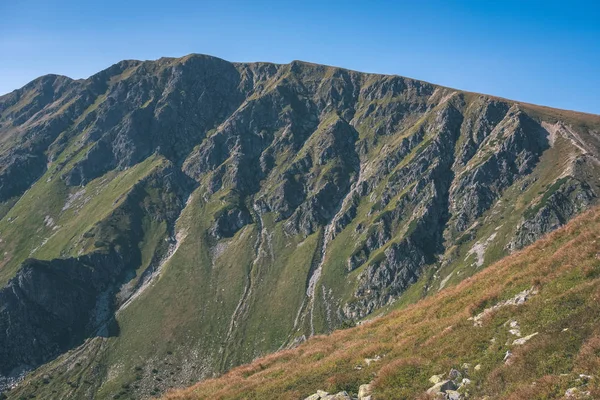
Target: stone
<point>313,397</point>
<point>523,340</point>
<point>454,374</point>
<point>338,396</point>
<point>576,393</point>
<point>368,361</point>
<point>364,391</point>
<point>436,379</point>
<point>442,387</point>
<point>453,395</point>
<point>478,367</point>
<point>517,300</point>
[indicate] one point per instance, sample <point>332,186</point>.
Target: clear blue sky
<point>544,52</point>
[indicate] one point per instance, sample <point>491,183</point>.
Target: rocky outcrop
<point>228,222</point>
<point>364,393</point>
<point>453,387</point>
<point>510,151</point>
<point>564,199</point>
<point>399,265</point>
<point>51,306</point>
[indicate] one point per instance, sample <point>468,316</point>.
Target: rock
<point>478,367</point>
<point>338,396</point>
<point>465,381</point>
<point>368,361</point>
<point>453,395</point>
<point>454,374</point>
<point>442,387</point>
<point>523,340</point>
<point>576,393</point>
<point>564,199</point>
<point>517,300</point>
<point>313,397</point>
<point>515,328</point>
<point>228,222</point>
<point>436,379</point>
<point>364,391</point>
<point>322,395</point>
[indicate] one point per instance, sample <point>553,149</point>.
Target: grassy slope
<point>27,232</point>
<point>191,304</point>
<point>434,335</point>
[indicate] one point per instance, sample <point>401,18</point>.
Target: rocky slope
<point>163,221</point>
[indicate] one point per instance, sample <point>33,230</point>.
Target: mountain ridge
<point>133,60</point>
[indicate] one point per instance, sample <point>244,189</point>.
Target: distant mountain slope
<point>203,213</point>
<point>528,327</point>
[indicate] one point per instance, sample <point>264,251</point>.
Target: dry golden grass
<point>434,335</point>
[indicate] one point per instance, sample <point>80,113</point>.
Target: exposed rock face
<point>566,198</point>
<point>228,222</point>
<point>510,151</point>
<point>351,184</point>
<point>51,306</point>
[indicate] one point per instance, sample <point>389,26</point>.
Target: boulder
<point>364,391</point>
<point>453,395</point>
<point>313,397</point>
<point>442,387</point>
<point>454,374</point>
<point>338,396</point>
<point>321,394</point>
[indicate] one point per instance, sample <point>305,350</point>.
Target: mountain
<point>527,327</point>
<point>163,221</point>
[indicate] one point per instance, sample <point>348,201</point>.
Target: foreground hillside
<point>164,221</point>
<point>528,327</point>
